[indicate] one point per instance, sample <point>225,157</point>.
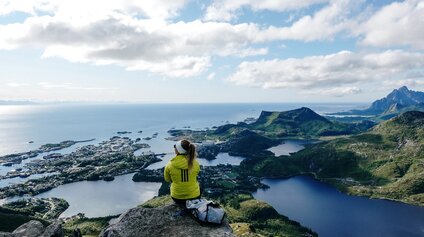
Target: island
<point>104,161</point>
<point>9,160</point>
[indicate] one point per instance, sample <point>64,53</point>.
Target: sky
<point>216,51</point>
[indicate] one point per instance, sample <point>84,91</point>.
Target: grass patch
<point>88,226</point>
<point>11,219</point>
<point>157,202</point>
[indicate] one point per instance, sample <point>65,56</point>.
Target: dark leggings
<point>182,202</point>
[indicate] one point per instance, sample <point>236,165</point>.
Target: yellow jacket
<point>184,183</point>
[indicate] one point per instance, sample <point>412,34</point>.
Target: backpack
<point>205,211</point>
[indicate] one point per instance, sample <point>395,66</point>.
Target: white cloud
<point>180,66</point>
<point>331,73</point>
<point>335,91</point>
<point>104,33</point>
<point>15,84</point>
<point>170,49</point>
<point>82,10</point>
<point>324,24</point>
<point>226,10</point>
<point>412,83</point>
<point>70,86</point>
<point>397,24</point>
<point>49,85</point>
<point>140,35</point>
<point>211,76</point>
<point>181,49</point>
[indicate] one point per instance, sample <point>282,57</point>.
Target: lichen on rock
<point>162,221</point>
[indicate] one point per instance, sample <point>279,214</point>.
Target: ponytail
<point>191,152</point>
<point>191,155</point>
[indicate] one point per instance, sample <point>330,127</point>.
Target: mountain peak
<point>403,88</point>
<point>297,116</point>
<point>402,91</point>
<point>403,97</point>
<point>305,113</point>
<point>305,109</point>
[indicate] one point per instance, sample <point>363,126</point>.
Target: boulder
<point>54,230</point>
<point>36,229</point>
<point>30,229</point>
<point>162,221</point>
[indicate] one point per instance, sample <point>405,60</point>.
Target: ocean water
<point>54,123</point>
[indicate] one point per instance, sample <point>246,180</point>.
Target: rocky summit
<point>162,221</point>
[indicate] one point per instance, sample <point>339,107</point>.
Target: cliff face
<point>161,221</point>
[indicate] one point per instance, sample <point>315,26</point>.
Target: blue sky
<point>163,51</point>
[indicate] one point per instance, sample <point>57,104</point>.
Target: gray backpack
<point>205,211</point>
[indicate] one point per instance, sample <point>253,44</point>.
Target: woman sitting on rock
<point>182,171</point>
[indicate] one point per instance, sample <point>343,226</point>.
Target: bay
<point>101,198</point>
<point>333,214</point>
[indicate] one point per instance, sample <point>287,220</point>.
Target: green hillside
<point>299,123</point>
<point>11,219</point>
<point>385,162</point>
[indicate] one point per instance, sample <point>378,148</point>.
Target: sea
<point>52,123</point>
<point>26,127</point>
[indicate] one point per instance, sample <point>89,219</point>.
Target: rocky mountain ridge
<point>398,101</point>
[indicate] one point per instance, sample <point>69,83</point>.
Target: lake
<point>288,147</point>
<point>333,214</point>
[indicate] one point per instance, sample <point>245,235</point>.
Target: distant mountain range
<point>271,127</point>
<point>297,123</point>
<point>398,101</point>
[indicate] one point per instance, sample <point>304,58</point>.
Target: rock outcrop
<point>162,221</point>
<point>36,229</point>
